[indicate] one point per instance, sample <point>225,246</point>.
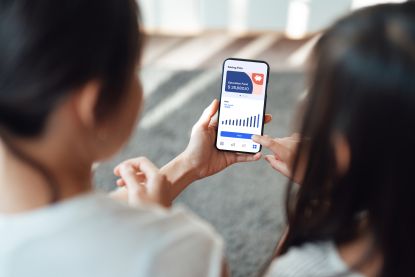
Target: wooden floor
<point>211,49</point>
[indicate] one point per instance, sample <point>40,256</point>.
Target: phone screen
<point>242,105</point>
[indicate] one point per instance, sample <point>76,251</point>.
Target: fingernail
<point>254,137</point>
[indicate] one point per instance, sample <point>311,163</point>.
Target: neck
<point>23,188</point>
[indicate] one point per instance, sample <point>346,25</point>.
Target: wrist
<point>190,165</point>
<point>180,172</point>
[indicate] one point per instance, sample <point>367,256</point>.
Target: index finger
<point>270,143</point>
<point>129,177</point>
<point>267,118</point>
<point>141,164</point>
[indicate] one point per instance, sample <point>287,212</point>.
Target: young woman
<point>353,214</point>
<point>69,95</point>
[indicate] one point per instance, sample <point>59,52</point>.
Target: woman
<point>69,95</point>
<point>353,214</point>
<point>67,78</point>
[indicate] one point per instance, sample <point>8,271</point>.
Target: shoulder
<point>158,221</point>
<point>124,241</point>
<point>192,247</point>
<point>174,242</point>
<point>311,260</point>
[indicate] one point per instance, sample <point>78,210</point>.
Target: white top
<point>311,260</point>
<point>95,236</point>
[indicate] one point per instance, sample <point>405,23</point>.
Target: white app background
<point>241,113</point>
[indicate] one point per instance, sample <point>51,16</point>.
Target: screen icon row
<point>241,145</point>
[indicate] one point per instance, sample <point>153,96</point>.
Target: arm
<point>200,159</point>
<point>180,173</point>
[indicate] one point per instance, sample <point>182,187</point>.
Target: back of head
<point>50,48</point>
<point>363,89</point>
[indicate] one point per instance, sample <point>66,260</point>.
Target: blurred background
<point>188,40</point>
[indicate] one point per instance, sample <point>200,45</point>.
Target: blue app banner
<point>239,82</point>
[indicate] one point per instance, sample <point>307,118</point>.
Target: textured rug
<point>245,202</point>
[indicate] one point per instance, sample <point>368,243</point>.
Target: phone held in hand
<point>242,105</point>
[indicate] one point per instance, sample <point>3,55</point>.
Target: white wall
<point>193,16</point>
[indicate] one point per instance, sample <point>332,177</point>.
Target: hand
<point>201,151</point>
<point>143,182</point>
<point>283,150</point>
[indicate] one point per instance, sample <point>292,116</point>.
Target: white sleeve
<point>310,260</point>
<point>303,261</point>
<point>194,249</point>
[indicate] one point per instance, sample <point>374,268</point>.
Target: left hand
<point>201,152</point>
<point>142,182</point>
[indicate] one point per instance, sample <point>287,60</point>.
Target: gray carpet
<point>245,202</point>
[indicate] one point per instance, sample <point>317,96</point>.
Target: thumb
<point>208,113</point>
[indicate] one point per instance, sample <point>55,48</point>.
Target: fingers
<point>120,182</point>
<point>143,181</point>
<point>242,158</point>
<point>117,170</point>
<point>208,113</point>
<point>214,121</point>
<point>272,144</point>
<point>140,178</point>
<point>136,171</point>
<point>267,118</point>
<point>278,165</point>
<point>144,166</point>
<point>135,189</point>
<point>295,136</point>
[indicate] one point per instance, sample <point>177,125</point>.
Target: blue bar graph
<point>251,121</point>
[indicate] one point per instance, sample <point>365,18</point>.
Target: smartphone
<point>242,105</point>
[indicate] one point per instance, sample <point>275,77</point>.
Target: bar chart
<point>250,121</point>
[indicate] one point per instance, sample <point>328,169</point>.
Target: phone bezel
<point>220,102</point>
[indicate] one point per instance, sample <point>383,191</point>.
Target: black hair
<point>362,87</point>
<point>50,48</point>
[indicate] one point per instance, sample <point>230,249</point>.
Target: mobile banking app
<point>242,105</point>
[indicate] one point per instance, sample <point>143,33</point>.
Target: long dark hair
<point>50,48</point>
<point>362,87</point>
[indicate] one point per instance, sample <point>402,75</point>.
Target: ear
<point>342,154</point>
<point>85,101</point>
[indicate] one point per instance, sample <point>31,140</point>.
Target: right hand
<point>283,150</point>
<point>144,182</point>
<point>201,152</point>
